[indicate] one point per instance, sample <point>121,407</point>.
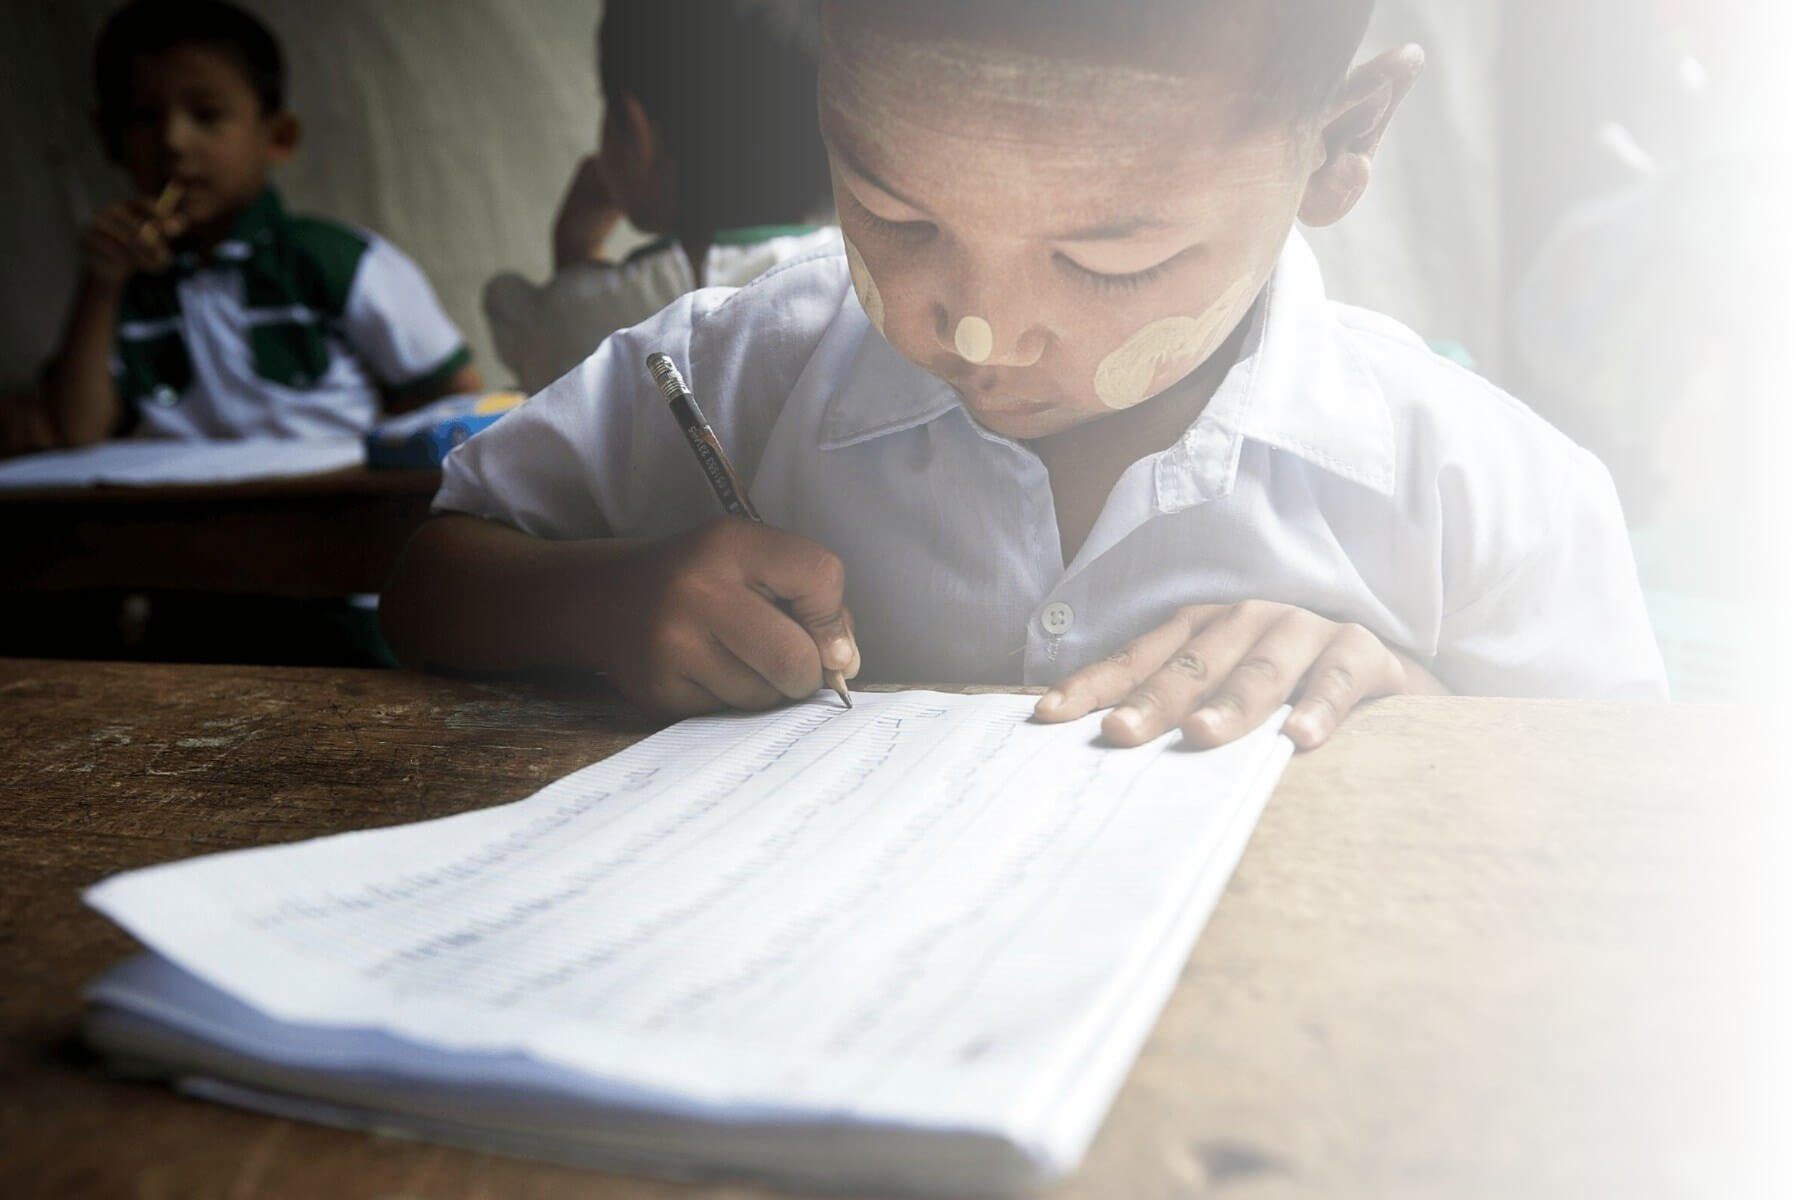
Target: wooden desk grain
<point>1476,948</point>
<point>333,534</point>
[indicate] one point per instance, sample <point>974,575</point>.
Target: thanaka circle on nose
<point>974,339</point>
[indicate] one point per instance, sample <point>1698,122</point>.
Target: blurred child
<point>1071,409</point>
<point>206,309</point>
<point>711,139</point>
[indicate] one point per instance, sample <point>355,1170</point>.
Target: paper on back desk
<point>926,912</point>
<point>147,462</point>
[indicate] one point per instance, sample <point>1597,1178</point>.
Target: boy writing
<point>206,309</point>
<point>1072,409</point>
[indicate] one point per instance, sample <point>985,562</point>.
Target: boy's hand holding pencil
<point>733,614</point>
<point>133,236</point>
<point>837,648</point>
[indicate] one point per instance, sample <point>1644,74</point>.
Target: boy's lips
<point>987,393</point>
<point>1003,404</point>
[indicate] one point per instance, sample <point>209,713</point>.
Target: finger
<point>808,579</point>
<point>141,213</point>
<point>736,683</point>
<point>141,245</point>
<point>1175,688</point>
<point>108,254</point>
<point>855,667</point>
<point>1356,666</point>
<point>1261,681</point>
<point>152,221</point>
<point>152,256</point>
<point>675,696</point>
<point>1105,683</point>
<point>169,225</point>
<point>116,227</point>
<point>104,242</point>
<point>774,647</point>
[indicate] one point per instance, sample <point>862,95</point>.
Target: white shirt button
<point>1057,619</point>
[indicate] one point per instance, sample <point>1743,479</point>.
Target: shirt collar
<point>890,394</point>
<point>1299,386</point>
<point>252,235</point>
<point>1306,389</point>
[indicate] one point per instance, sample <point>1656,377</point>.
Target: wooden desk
<point>1477,948</point>
<point>334,534</point>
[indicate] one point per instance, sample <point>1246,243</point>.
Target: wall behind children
<point>451,128</point>
<point>448,127</point>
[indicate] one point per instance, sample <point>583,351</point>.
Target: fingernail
<point>838,653</point>
<point>1131,718</point>
<point>1210,716</point>
<point>1050,700</point>
<point>1306,725</point>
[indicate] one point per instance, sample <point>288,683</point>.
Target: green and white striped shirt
<point>294,327</point>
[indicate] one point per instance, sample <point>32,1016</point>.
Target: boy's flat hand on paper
<point>732,614</point>
<point>130,237</point>
<point>1216,671</point>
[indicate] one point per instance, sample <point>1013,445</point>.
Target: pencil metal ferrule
<point>668,377</point>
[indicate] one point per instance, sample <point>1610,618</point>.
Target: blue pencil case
<point>423,437</point>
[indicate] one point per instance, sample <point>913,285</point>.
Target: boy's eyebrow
<point>1108,231</point>
<point>858,167</point>
<point>1104,231</point>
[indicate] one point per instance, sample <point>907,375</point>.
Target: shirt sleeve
<point>395,324</point>
<point>1568,618</point>
<point>541,333</point>
<point>576,460</point>
<point>598,454</point>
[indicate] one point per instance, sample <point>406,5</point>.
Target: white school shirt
<point>1341,467</point>
<point>291,329</point>
<point>542,332</point>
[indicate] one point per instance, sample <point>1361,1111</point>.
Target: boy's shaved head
<point>1062,208</point>
<point>1287,57</point>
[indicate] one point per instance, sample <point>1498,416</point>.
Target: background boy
<point>730,173</point>
<point>1074,411</point>
<point>217,313</point>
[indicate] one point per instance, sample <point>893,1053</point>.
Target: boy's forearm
<point>81,398</point>
<point>582,241</point>
<point>475,595</point>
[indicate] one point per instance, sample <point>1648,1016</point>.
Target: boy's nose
<point>982,341</point>
<point>178,132</point>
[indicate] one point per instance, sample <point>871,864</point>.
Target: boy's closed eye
<point>1093,265</point>
<point>1108,277</point>
<point>902,229</point>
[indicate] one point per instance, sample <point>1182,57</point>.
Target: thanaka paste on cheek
<point>1166,349</point>
<point>866,291</point>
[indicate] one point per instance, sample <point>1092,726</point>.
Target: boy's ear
<point>284,137</point>
<point>1352,130</point>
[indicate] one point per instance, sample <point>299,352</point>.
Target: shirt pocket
<point>289,353</point>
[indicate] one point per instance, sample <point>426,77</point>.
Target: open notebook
<point>913,946</point>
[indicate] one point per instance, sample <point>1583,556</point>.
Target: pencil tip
<point>835,679</point>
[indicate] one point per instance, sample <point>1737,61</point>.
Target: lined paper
<point>927,910</point>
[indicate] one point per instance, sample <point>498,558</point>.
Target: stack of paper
<point>914,945</point>
<point>150,462</point>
